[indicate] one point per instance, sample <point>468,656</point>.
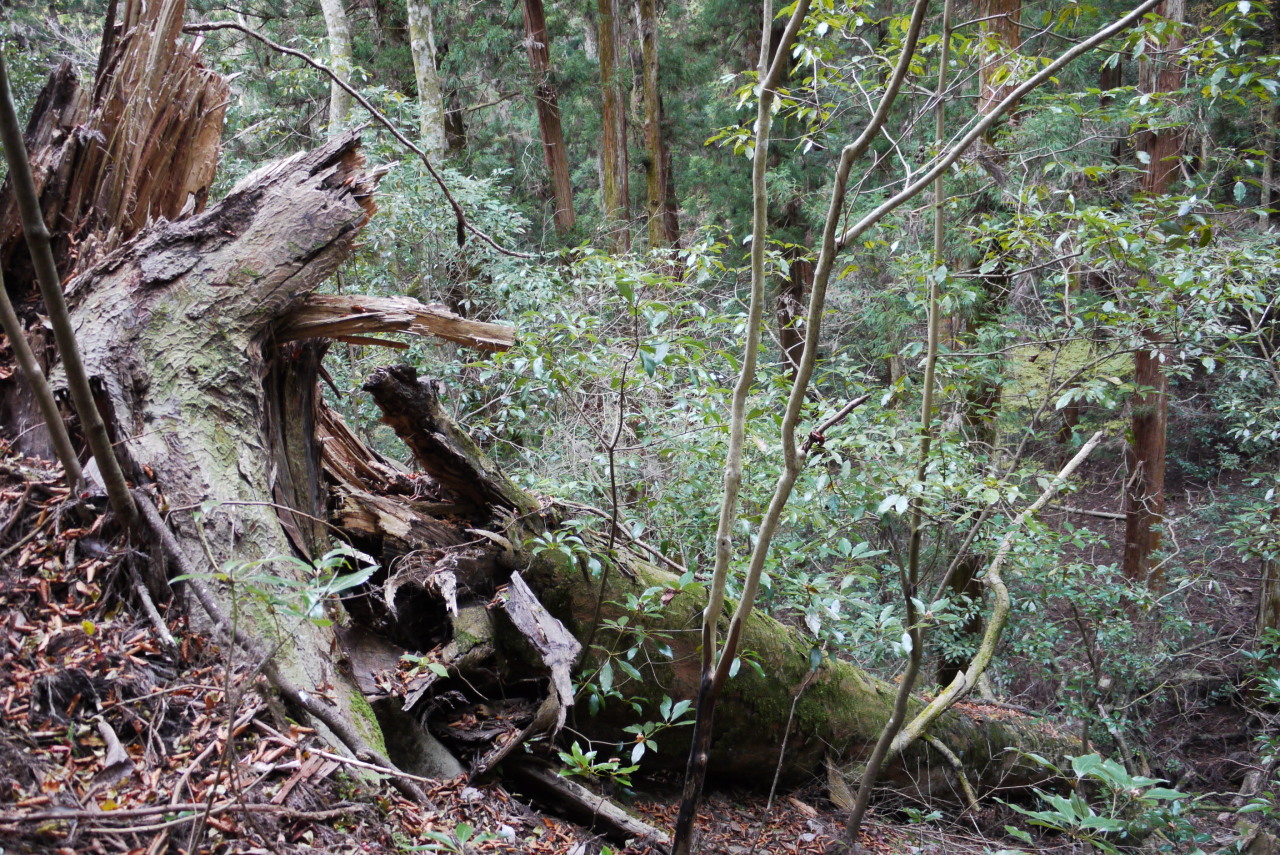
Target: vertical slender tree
<point>547,100</point>
<point>662,230</point>
<point>1001,39</point>
<point>613,131</point>
<point>1270,119</point>
<point>1161,70</point>
<point>339,29</point>
<point>422,44</point>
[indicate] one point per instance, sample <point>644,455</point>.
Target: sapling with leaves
<point>835,237</point>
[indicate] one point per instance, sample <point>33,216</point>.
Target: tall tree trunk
<point>1144,488</point>
<point>1270,118</point>
<point>657,158</point>
<point>1160,71</point>
<point>1268,619</point>
<point>335,22</point>
<point>1004,37</point>
<point>422,44</point>
<point>455,123</point>
<point>553,150</point>
<point>615,191</point>
<point>789,308</point>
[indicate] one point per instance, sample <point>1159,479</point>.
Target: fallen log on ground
<point>840,708</point>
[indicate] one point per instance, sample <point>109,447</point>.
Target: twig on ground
<point>152,810</point>
<point>153,615</point>
<point>40,524</point>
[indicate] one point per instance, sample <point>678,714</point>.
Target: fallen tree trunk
<point>840,708</point>
<point>203,336</point>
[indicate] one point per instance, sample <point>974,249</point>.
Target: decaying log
<point>176,327</point>
<point>413,409</point>
<point>839,713</point>
<point>555,645</point>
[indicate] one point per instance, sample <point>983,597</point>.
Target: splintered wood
<point>352,318</point>
<point>142,146</point>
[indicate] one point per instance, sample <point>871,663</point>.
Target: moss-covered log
<point>839,712</point>
<point>840,708</point>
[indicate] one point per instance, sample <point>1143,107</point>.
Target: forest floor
<point>114,738</point>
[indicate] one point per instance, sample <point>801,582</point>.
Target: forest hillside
<point>640,426</point>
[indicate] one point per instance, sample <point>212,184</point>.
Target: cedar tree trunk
<point>1161,71</point>
<point>613,131</point>
<point>536,40</point>
<point>662,230</point>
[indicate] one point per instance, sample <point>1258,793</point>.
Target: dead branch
<point>336,316</point>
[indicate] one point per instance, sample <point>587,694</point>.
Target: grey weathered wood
<point>177,328</point>
<point>555,644</point>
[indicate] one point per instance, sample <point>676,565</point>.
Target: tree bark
<point>789,308</point>
<point>422,44</point>
<point>547,101</point>
<point>1144,489</point>
<point>1160,71</point>
<point>177,329</point>
<point>658,191</point>
<point>615,190</point>
<point>339,29</point>
<point>1004,35</point>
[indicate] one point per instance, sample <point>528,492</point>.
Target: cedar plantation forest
<point>417,414</point>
